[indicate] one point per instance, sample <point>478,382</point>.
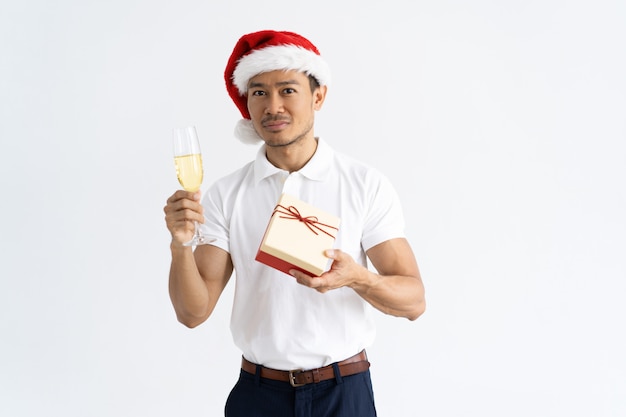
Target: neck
<point>293,156</point>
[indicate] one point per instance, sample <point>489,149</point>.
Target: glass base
<point>198,238</point>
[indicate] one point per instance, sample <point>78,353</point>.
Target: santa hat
<point>266,51</point>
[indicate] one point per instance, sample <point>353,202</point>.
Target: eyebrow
<point>278,84</point>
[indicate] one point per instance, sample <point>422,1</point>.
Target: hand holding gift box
<point>297,236</point>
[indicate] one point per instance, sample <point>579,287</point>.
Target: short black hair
<point>313,83</point>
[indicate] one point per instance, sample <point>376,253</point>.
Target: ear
<point>319,95</point>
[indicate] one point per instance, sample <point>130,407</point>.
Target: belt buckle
<point>292,377</point>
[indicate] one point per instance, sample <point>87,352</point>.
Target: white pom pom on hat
<point>266,51</point>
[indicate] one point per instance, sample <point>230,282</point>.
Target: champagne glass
<point>188,162</point>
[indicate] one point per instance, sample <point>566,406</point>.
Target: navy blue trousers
<point>348,396</point>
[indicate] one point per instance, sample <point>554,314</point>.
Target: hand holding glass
<point>188,161</point>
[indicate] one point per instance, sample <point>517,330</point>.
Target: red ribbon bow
<point>292,213</point>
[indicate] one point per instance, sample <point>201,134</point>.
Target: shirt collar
<point>317,169</point>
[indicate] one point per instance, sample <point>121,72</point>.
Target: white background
<point>501,123</point>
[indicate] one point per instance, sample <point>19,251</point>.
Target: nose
<point>274,104</point>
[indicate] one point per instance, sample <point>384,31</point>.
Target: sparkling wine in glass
<point>188,162</point>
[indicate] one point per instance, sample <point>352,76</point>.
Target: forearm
<point>396,295</point>
<point>188,291</point>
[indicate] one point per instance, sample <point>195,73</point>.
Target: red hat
<point>266,51</point>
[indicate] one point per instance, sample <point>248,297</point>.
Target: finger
<point>189,203</point>
<point>317,283</point>
<point>182,214</point>
<point>296,274</point>
<point>182,205</point>
<point>179,194</point>
<point>194,215</point>
<point>300,277</point>
<point>185,215</point>
<point>182,194</point>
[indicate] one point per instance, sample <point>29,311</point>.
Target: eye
<point>289,90</point>
<point>257,93</point>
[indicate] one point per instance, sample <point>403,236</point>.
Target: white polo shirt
<point>275,321</point>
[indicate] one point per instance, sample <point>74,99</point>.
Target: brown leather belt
<point>298,377</point>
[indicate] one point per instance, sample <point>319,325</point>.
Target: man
<point>302,338</point>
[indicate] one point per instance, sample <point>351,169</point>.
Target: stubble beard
<point>278,143</point>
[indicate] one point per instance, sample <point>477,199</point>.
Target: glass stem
<point>199,238</point>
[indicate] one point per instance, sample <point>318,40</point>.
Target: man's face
<point>282,106</point>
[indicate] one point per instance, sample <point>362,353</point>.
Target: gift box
<point>297,236</point>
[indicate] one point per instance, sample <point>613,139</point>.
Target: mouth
<point>275,125</point>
